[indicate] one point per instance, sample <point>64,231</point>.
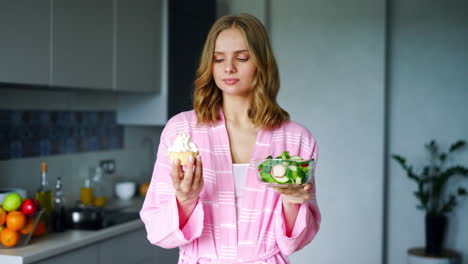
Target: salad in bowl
<point>284,170</point>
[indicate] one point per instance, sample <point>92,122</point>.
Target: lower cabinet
<point>129,248</point>
<point>88,255</point>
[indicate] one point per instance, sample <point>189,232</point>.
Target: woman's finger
<point>175,173</point>
<point>186,184</point>
<point>181,172</point>
<point>198,173</point>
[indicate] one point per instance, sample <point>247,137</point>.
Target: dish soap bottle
<point>58,211</point>
<point>44,196</point>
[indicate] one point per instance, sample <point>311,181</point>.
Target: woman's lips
<point>230,81</point>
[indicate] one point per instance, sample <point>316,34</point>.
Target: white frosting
<point>183,143</point>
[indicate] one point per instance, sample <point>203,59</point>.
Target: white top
<point>239,171</point>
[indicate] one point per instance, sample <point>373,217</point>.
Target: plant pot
<point>436,227</point>
<point>448,256</point>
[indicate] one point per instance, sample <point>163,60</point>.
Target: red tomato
<point>30,206</point>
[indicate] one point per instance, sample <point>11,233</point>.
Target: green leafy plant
<point>432,179</point>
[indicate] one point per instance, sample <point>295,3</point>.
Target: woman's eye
<point>218,60</point>
<point>242,59</point>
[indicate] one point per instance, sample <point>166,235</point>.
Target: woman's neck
<point>236,111</point>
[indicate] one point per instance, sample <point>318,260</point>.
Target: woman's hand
<point>292,199</point>
<point>188,183</point>
<point>292,195</point>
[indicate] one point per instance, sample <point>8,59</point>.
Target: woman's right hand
<point>187,183</point>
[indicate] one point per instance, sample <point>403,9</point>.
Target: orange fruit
<point>40,228</point>
<point>2,216</point>
<point>28,227</point>
<point>9,238</point>
<point>15,220</point>
<point>144,188</point>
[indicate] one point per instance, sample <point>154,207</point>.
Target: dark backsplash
<point>33,133</point>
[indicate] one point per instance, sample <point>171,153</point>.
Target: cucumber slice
<point>266,177</point>
<point>283,179</point>
<point>295,158</point>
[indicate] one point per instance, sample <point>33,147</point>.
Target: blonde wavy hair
<point>264,110</point>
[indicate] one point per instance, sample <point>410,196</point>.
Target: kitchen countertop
<point>58,243</point>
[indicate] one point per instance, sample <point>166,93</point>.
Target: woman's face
<point>233,69</point>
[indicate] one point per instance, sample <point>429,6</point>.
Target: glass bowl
<point>25,238</point>
<point>284,173</point>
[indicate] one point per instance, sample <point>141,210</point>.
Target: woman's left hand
<point>293,195</point>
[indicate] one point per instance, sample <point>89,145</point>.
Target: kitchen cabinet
<point>25,40</point>
<point>83,44</point>
<point>134,248</point>
<point>185,25</point>
<point>107,45</point>
<point>138,49</point>
<point>88,255</point>
<point>128,248</point>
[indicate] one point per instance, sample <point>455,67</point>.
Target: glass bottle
<point>44,196</point>
<point>86,192</point>
<point>100,197</point>
<point>58,212</point>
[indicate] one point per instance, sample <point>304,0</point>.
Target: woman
<point>214,208</point>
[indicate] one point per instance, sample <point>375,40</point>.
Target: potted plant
<point>431,192</point>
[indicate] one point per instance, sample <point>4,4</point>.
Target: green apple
<point>12,202</point>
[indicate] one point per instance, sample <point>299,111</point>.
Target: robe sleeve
<point>308,218</point>
<point>159,212</point>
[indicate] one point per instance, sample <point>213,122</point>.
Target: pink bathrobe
<point>211,234</point>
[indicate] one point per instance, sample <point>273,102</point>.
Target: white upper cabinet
<point>24,41</point>
<point>83,54</point>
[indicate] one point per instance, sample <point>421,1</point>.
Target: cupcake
<point>182,148</point>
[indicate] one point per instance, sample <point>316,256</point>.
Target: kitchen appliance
<point>85,217</point>
<point>95,218</point>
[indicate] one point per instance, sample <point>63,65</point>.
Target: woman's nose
<point>230,68</point>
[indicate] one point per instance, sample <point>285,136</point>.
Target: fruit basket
<point>284,171</point>
<point>22,237</point>
<point>20,219</point>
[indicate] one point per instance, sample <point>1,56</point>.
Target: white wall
<point>428,100</point>
<point>235,7</point>
<point>330,55</point>
<point>330,59</point>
